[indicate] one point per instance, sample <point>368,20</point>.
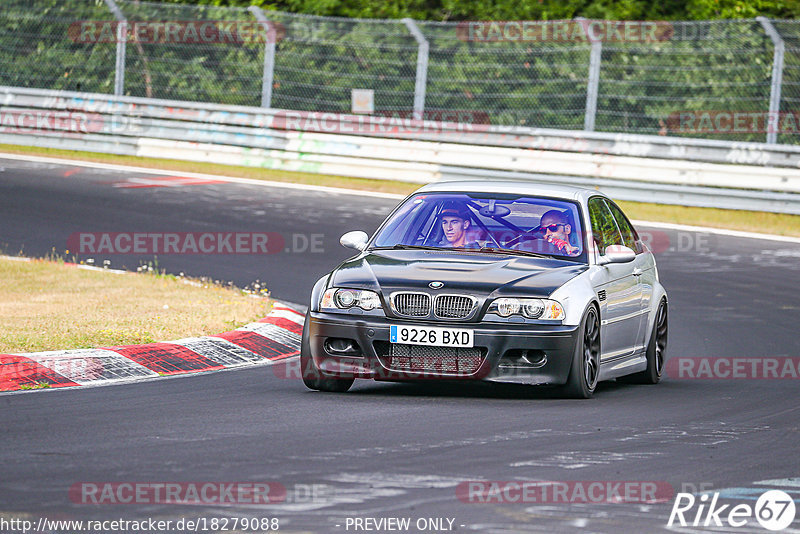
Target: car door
<point>617,287</point>
<point>643,268</point>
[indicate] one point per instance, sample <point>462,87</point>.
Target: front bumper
<point>550,350</point>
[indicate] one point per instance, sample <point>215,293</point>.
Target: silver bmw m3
<point>493,281</point>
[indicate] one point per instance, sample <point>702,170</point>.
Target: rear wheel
<point>656,350</point>
<point>313,377</point>
<point>585,370</point>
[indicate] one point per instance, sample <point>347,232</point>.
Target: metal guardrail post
<point>422,67</point>
<point>122,39</point>
<point>777,79</point>
<point>593,83</point>
<point>269,56</point>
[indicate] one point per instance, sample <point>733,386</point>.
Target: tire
<point>585,370</point>
<point>656,350</point>
<point>313,377</point>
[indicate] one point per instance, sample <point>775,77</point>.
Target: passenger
<point>557,230</point>
<point>456,221</point>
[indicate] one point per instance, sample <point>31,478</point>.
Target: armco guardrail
<point>640,168</point>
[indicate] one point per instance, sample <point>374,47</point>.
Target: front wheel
<point>585,370</point>
<point>313,377</point>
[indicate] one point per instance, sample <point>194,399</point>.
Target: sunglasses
<point>552,227</point>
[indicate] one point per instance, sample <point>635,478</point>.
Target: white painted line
<point>231,179</point>
<point>718,231</point>
<point>343,191</point>
<point>96,268</point>
<point>78,265</point>
<point>782,482</point>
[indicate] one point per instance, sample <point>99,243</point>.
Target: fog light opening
<point>342,346</point>
<point>534,357</point>
<point>523,359</point>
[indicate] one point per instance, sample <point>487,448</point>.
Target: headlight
<point>347,298</point>
<point>531,308</point>
<point>368,300</point>
<point>506,307</point>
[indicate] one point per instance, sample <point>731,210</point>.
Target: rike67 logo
<point>774,510</point>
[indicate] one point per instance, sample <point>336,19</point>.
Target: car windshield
<point>486,222</point>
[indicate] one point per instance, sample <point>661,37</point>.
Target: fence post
<point>122,38</point>
<point>422,68</point>
<point>594,76</point>
<point>269,56</point>
<point>777,80</point>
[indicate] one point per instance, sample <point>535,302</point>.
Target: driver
<point>557,231</point>
<point>455,221</point>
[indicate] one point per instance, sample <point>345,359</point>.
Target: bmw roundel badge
<point>436,285</point>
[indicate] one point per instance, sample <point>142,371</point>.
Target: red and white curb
<point>273,338</point>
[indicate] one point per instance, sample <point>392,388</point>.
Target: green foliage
<point>702,66</point>
<point>36,385</point>
<point>443,10</point>
<point>734,9</point>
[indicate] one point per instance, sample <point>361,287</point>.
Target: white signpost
<point>362,100</point>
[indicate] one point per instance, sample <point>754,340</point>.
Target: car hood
<point>473,273</point>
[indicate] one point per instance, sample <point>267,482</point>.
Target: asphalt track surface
<point>394,450</point>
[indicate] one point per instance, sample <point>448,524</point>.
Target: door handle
<point>637,272</point>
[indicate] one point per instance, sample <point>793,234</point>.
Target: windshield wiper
<point>509,251</point>
<point>495,250</point>
<point>401,246</point>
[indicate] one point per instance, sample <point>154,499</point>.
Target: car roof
<point>566,192</point>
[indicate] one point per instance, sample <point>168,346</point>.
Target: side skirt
<point>624,365</point>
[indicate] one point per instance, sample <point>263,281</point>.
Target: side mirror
<point>356,240</point>
<point>617,254</point>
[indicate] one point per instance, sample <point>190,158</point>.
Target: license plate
<point>431,336</point>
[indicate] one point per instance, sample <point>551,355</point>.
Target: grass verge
<point>748,221</point>
<point>49,305</point>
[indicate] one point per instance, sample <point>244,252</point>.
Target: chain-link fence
<point>731,80</point>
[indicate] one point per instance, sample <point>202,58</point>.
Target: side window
<point>603,226</point>
<point>400,231</point>
<point>629,236</point>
